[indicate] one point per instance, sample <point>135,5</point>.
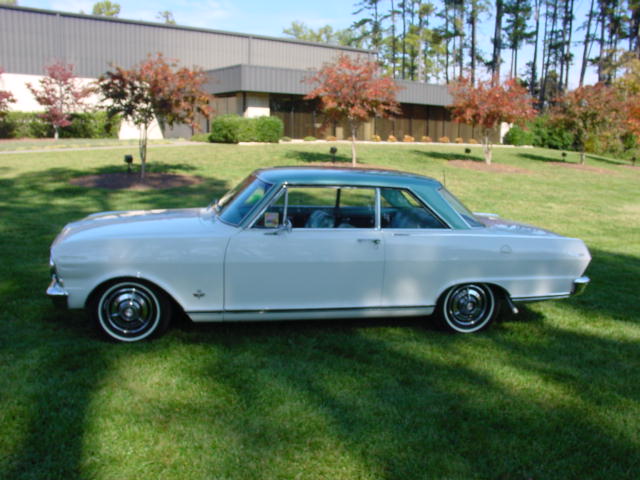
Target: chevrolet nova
<point>310,243</point>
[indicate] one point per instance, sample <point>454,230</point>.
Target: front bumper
<point>57,294</point>
<point>579,285</point>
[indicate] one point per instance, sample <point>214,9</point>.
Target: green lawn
<point>553,393</point>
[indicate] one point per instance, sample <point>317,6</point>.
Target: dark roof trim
<point>255,78</point>
<point>182,27</point>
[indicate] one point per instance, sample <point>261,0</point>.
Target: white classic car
<point>310,243</point>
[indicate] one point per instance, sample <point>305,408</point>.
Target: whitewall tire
<point>468,308</point>
<point>130,311</point>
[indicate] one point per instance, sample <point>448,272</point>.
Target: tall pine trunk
<point>473,20</point>
<point>587,45</point>
<point>496,58</point>
<point>534,63</point>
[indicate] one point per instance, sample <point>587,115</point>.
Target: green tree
<point>370,28</point>
<point>106,9</point>
<point>516,29</point>
<point>587,111</point>
<point>167,17</point>
<point>326,34</point>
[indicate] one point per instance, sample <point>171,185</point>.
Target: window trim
<point>285,187</point>
<point>445,224</point>
<point>277,192</point>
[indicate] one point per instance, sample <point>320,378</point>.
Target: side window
<point>321,207</point>
<point>401,209</point>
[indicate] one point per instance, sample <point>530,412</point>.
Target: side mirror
<point>284,228</point>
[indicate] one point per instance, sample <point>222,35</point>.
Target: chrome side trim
<point>57,294</point>
<point>312,314</point>
<point>557,296</point>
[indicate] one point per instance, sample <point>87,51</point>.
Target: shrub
<point>392,138</point>
<point>375,138</point>
<point>518,136</point>
<point>550,135</point>
<point>331,138</point>
<point>285,139</point>
<point>309,138</point>
<point>268,129</point>
<point>472,141</point>
<point>234,129</point>
<point>444,139</point>
<point>459,140</point>
<point>427,139</point>
<point>225,129</point>
<point>408,138</point>
<point>83,125</point>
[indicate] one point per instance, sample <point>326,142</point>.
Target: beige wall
<point>25,102</point>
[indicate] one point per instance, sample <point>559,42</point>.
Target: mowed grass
<point>553,393</point>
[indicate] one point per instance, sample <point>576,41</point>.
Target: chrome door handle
<point>376,241</point>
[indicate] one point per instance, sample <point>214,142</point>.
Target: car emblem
<point>199,294</point>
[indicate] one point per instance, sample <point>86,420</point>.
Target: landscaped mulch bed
<point>122,181</point>
<point>483,167</point>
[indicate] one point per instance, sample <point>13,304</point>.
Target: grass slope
<point>550,394</point>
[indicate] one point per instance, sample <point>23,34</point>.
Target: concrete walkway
<point>106,147</point>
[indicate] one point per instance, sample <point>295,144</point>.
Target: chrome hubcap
<point>469,305</point>
<point>129,309</point>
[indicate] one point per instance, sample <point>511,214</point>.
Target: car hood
<point>136,223</point>
<point>496,224</point>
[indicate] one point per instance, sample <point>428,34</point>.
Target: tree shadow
<point>540,158</point>
<point>316,157</point>
<point>449,155</point>
<point>397,413</point>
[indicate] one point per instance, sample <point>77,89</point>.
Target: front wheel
<point>130,310</point>
<point>468,308</point>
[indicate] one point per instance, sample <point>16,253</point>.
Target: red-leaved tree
<point>587,110</point>
<point>353,89</point>
<point>488,104</point>
<point>155,89</point>
<point>5,99</point>
<point>61,94</point>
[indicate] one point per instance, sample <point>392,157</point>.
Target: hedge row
<point>234,129</point>
<point>83,125</point>
<point>541,132</point>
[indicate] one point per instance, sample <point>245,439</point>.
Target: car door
<point>312,248</point>
<point>420,250</point>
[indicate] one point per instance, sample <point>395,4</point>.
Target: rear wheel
<point>130,310</point>
<point>468,308</point>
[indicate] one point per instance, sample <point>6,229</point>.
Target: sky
<point>268,18</point>
<point>245,16</point>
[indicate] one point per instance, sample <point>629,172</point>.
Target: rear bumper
<point>57,294</point>
<point>580,285</point>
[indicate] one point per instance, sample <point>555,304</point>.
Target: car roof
<point>344,176</point>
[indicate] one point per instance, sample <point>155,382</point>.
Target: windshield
<point>239,201</point>
<point>458,206</point>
